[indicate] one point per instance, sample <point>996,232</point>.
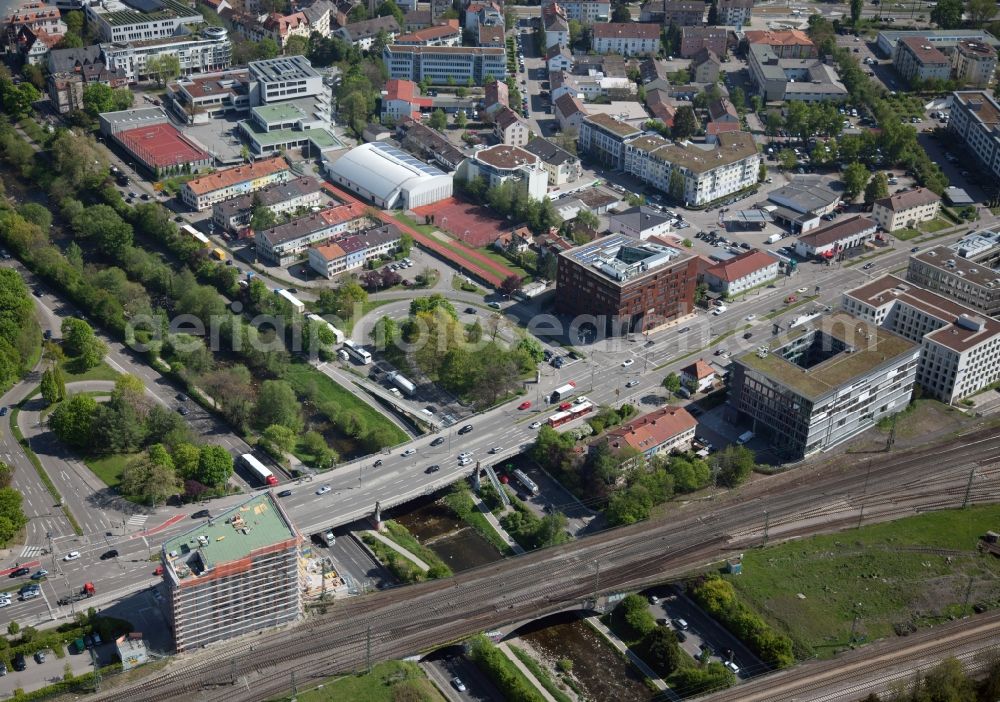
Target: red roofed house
<point>714,129</point>
<point>699,375</point>
<point>669,429</point>
<point>742,272</point>
<point>496,97</point>
<point>626,38</point>
<point>515,242</point>
<point>791,44</point>
<point>438,35</point>
<point>401,98</point>
<point>282,27</point>
<point>659,103</point>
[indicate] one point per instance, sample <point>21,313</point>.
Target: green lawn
<point>366,307</point>
<point>109,468</point>
<point>906,234</point>
<point>877,573</point>
<point>309,382</point>
<point>458,283</point>
<point>935,225</point>
<point>498,257</point>
<point>102,371</point>
<point>387,682</point>
<point>425,229</point>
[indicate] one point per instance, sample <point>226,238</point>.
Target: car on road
<point>751,317</point>
<point>71,556</point>
<point>377,463</point>
<point>732,666</point>
<point>201,514</point>
<point>466,429</point>
<point>495,305</point>
<point>178,218</point>
<point>408,452</point>
<point>683,330</point>
<point>39,656</point>
<point>3,411</point>
<point>628,362</point>
<point>17,573</point>
<point>465,454</point>
<point>285,493</point>
<point>632,383</point>
<point>19,663</point>
<point>181,397</point>
<point>790,299</point>
<point>535,425</point>
<point>323,490</point>
<point>747,335</point>
<point>679,624</point>
<point>653,599</point>
<point>802,290</point>
<point>438,441</point>
<point>524,405</point>
<point>39,574</point>
<point>183,411</point>
<point>458,684</point>
<point>868,266</point>
<point>914,249</point>
<point>432,469</point>
<point>496,449</point>
<point>470,310</point>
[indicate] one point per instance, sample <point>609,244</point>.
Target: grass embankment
<point>540,674</point>
<point>109,468</point>
<point>74,374</point>
<point>892,577</point>
<point>402,567</point>
<point>402,536</point>
<point>461,503</point>
<point>502,671</point>
<point>387,682</point>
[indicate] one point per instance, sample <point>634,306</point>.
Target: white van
<point>744,437</point>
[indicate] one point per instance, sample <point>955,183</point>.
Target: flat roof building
<point>501,164</point>
<point>234,574</point>
<point>804,78</point>
<point>389,177</point>
<point>968,281</point>
<point>944,39</point>
<point>438,64</point>
<point>822,382</point>
<point>975,122</point>
<point>626,284</point>
<point>917,61</point>
<point>960,346</point>
<point>974,63</point>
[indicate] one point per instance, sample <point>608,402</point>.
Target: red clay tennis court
<point>160,146</point>
<point>469,223</point>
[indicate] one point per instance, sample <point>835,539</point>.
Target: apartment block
<point>204,51</point>
<point>906,209</point>
<point>346,253</point>
<point>975,120</point>
<point>585,11</point>
<point>234,574</point>
<point>140,20</point>
<point>694,39</point>
<point>745,271</point>
<point>917,60</point>
<point>281,198</point>
<point>964,274</point>
<point>201,193</point>
<point>626,38</point>
<point>821,383</point>
<point>510,128</point>
<point>793,43</point>
<point>627,285</point>
<point>806,79</point>
<point>438,64</point>
<point>731,13</point>
<point>285,243</point>
<point>604,138</point>
<point>960,346</point>
<point>680,12</point>
<point>562,166</point>
<point>501,164</point>
<point>974,63</point>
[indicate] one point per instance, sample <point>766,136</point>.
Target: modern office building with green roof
<point>818,384</point>
<point>233,574</point>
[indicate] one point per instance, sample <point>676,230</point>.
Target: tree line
<point>20,335</point>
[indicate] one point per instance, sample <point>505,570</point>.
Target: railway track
<point>406,620</point>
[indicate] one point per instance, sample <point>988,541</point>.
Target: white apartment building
<point>284,78</point>
<point>562,166</point>
<point>605,137</point>
<point>351,252</point>
<point>119,21</point>
<point>438,64</point>
<point>734,13</point>
<point>731,164</point>
<point>748,270</point>
<point>207,51</point>
<point>960,347</point>
<point>975,120</point>
<point>968,281</point>
<point>501,163</point>
<point>906,209</point>
<point>626,38</point>
<point>917,60</point>
<point>974,63</point>
<point>510,128</point>
<point>585,11</point>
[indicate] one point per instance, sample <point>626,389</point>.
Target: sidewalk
<point>398,549</point>
<point>636,661</point>
<point>495,523</point>
<point>524,671</point>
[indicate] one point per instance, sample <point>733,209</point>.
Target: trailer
<point>85,592</point>
<point>562,392</point>
<point>295,302</point>
<point>259,469</point>
<point>401,382</point>
<point>338,336</point>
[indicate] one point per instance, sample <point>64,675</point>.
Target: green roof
<point>320,138</point>
<point>231,536</point>
<point>837,371</point>
<point>282,112</point>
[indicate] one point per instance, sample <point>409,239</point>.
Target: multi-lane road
<point>409,620</point>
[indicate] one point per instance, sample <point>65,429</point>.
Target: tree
<point>389,7</point>
<point>672,383</point>
<point>762,172</point>
<point>6,474</point>
<point>106,228</point>
<point>739,99</point>
<point>856,7</point>
<point>150,478</point>
<point>633,612</point>
<point>165,67</point>
<point>460,119</point>
<point>98,98</point>
<point>675,187</point>
<point>277,404</point>
<point>981,11</point>
<point>261,216</point>
<point>76,334</point>
<point>877,188</point>
<point>215,465</point>
<point>50,389</point>
<point>855,176</point>
<point>297,46</point>
<point>733,465</point>
<point>12,517</point>
<point>438,119</point>
<point>947,14</point>
<point>186,458</point>
<point>621,14</point>
<point>315,445</point>
<point>510,285</point>
<point>72,420</point>
<point>18,99</point>
<point>664,652</point>
<point>713,14</point>
<point>685,122</point>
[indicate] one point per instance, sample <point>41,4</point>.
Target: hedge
<point>81,683</point>
<point>502,671</point>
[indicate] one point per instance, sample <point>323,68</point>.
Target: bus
<point>357,352</point>
<point>338,336</point>
<point>562,392</point>
<point>574,412</point>
<point>258,469</point>
<point>196,235</point>
<point>525,481</point>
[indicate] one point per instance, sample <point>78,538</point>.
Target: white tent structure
<point>389,177</point>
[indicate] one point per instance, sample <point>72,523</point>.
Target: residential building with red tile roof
<point>793,43</point>
<point>698,376</point>
<point>742,272</point>
<point>666,430</point>
<point>202,193</point>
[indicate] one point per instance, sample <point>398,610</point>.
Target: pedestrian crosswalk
<point>31,551</point>
<point>137,520</point>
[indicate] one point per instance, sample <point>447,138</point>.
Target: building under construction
<point>237,573</point>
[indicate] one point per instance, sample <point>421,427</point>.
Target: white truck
<point>774,238</point>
